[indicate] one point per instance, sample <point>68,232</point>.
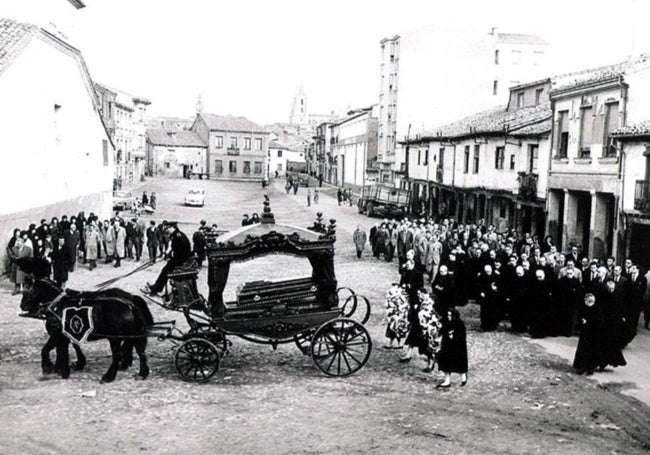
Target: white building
<point>58,156</point>
<point>435,74</point>
<point>355,146</point>
<point>279,155</point>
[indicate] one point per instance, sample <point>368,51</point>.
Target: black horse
<point>121,317</point>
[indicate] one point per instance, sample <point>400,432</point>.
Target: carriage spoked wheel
<point>197,360</point>
<point>356,307</point>
<point>340,347</point>
<point>303,340</point>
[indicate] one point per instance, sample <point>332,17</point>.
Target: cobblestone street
<point>519,399</point>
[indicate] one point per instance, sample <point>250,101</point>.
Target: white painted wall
<point>287,155</point>
<point>50,157</point>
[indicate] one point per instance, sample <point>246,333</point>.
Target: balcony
<point>527,186</point>
<point>642,196</point>
<point>232,150</point>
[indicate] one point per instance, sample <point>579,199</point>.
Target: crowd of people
<point>515,278</point>
<point>68,242</point>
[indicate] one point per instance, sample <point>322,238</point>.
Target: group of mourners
<point>512,277</point>
<point>63,243</point>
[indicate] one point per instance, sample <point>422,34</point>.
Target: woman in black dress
<point>452,357</point>
<point>412,280</point>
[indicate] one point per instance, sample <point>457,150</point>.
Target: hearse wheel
<point>356,307</point>
<point>340,347</point>
<point>197,360</point>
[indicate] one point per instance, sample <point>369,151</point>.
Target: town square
<point>453,259</point>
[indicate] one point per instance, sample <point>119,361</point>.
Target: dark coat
<point>488,294</point>
<point>444,290</point>
<point>60,265</point>
<point>568,297</point>
<point>542,308</point>
<point>452,357</point>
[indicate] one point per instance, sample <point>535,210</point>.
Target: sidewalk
<point>636,372</point>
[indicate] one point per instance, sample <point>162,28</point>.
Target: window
<point>233,142</point>
<point>611,123</point>
<point>538,95</point>
<point>562,133</point>
<point>586,137</point>
<point>533,157</point>
<point>247,167</point>
<point>419,156</point>
<point>520,99</point>
<point>495,87</point>
<point>258,167</point>
<point>105,151</point>
<point>279,153</point>
<point>499,157</point>
<point>167,165</point>
<point>233,167</point>
<point>57,115</point>
<point>502,209</point>
<point>218,167</point>
<point>247,143</point>
<point>516,57</point>
<point>496,57</point>
<point>512,162</point>
<point>466,162</point>
<point>426,157</point>
<point>218,142</point>
<point>258,144</point>
<point>538,58</point>
<point>477,149</point>
<point>279,166</point>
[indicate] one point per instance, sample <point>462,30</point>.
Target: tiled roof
<point>602,73</point>
<point>519,38</point>
<point>495,120</point>
<point>14,37</point>
<point>180,138</point>
<point>231,123</point>
<point>535,129</point>
<point>278,145</point>
<point>636,129</point>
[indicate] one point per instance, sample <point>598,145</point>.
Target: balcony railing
<point>642,196</point>
<point>232,150</point>
<point>527,186</point>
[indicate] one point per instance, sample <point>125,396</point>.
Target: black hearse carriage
<point>309,311</point>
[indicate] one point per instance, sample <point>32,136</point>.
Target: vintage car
<point>195,197</point>
<point>123,200</point>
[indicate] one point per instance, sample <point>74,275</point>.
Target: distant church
<point>299,114</point>
<point>301,117</point>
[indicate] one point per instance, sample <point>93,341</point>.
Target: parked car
<point>195,197</point>
<point>122,200</point>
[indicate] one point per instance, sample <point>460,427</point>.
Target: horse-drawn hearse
<point>324,321</point>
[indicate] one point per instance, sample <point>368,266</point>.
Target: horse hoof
<point>78,366</point>
<point>48,370</point>
<point>106,380</point>
<point>124,366</point>
<point>64,374</point>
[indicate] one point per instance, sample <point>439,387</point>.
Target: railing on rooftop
<point>232,150</point>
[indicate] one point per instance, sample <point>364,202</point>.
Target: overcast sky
<point>249,57</point>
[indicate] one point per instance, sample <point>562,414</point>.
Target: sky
<point>248,57</point>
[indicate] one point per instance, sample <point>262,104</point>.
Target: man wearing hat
<point>180,251</point>
<point>198,240</point>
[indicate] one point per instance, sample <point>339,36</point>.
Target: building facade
<point>125,116</point>
<point>67,166</point>
<point>633,142</point>
<point>173,153</point>
<point>236,147</point>
<point>490,166</point>
<point>585,176</point>
<point>354,141</point>
<point>419,91</point>
<point>278,157</point>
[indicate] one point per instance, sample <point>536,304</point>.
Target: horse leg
<point>46,363</point>
<point>62,356</point>
<point>140,347</point>
<point>109,376</point>
<point>81,358</point>
<point>126,355</point>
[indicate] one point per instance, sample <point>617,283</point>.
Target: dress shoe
<point>405,359</point>
<point>442,385</point>
<point>464,381</point>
